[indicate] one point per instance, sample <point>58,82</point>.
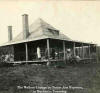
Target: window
<point>54,32</point>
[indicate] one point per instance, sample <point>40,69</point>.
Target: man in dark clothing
<point>53,54</point>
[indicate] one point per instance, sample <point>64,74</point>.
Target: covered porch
<point>52,50</point>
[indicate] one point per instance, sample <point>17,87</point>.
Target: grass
<point>80,75</point>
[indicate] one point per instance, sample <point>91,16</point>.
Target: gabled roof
<point>39,30</point>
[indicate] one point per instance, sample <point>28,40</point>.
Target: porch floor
<point>85,60</point>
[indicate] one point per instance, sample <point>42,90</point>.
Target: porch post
<point>74,49</point>
<point>96,53</point>
<point>89,51</point>
<point>26,50</point>
<point>82,51</point>
<point>48,49</point>
<point>64,51</point>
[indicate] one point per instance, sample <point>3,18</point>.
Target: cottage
<point>41,42</point>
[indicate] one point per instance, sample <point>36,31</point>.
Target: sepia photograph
<point>49,46</point>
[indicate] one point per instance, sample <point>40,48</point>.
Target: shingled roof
<point>37,31</point>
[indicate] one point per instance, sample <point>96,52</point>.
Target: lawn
<point>76,75</point>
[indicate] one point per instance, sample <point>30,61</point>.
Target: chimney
<point>25,26</point>
<point>9,33</point>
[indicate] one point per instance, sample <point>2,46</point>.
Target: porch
<point>53,50</point>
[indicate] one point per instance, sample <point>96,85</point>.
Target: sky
<point>79,20</point>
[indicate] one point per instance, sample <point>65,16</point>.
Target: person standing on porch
<point>53,53</point>
<point>38,53</point>
<point>68,54</point>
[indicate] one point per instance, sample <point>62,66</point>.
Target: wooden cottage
<point>41,42</point>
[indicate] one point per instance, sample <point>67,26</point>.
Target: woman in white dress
<point>38,53</point>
